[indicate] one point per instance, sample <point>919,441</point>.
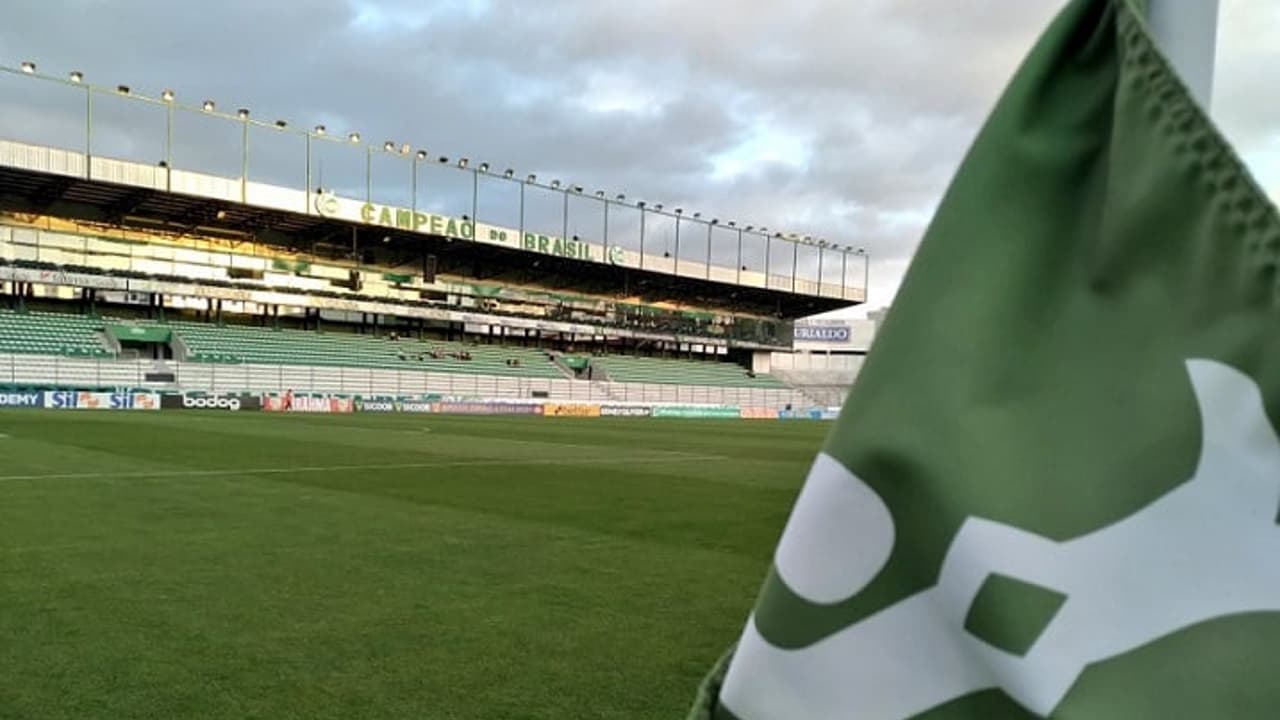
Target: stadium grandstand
<point>121,272</point>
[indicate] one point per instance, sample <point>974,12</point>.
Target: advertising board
<point>486,408</point>
<point>378,405</point>
<point>625,411</point>
<point>571,410</point>
<point>86,400</point>
<point>194,401</point>
<point>21,400</point>
<point>831,333</point>
<point>813,413</point>
<point>759,413</point>
<point>307,404</point>
<point>695,411</point>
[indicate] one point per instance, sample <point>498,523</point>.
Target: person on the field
<point>286,403</point>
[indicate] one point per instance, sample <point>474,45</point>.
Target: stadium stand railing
<point>26,370</point>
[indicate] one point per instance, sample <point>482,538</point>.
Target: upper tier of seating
<point>624,368</point>
<point>51,334</point>
<point>237,343</point>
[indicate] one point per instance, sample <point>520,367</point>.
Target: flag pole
<point>1187,31</point>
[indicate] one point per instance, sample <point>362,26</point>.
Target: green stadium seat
<point>51,334</point>
<point>623,368</point>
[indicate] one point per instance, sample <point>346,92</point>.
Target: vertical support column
<point>475,201</point>
<point>710,227</point>
<point>564,234</point>
<point>88,133</point>
<point>307,144</point>
<point>168,146</point>
<point>244,162</point>
<point>642,213</point>
<point>739,265</point>
<point>795,263</point>
<point>844,271</point>
<point>368,174</point>
<point>522,189</point>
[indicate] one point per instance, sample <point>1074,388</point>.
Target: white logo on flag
<point>1204,550</point>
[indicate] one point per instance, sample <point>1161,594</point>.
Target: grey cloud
<point>881,97</point>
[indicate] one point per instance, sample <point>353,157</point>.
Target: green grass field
<point>181,565</point>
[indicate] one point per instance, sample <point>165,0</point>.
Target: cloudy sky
<point>831,118</point>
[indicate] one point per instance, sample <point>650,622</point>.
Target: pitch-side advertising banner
<point>193,401</point>
<point>695,411</point>
<point>84,400</point>
<point>21,400</point>
<point>625,411</point>
<point>571,410</point>
<point>307,404</point>
<point>486,408</point>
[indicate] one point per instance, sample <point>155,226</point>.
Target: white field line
<point>584,446</point>
<point>625,459</point>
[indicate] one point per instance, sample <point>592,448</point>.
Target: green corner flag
<point>1053,491</point>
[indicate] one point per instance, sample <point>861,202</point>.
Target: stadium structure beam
<point>126,205</point>
<point>52,193</point>
<point>208,108</point>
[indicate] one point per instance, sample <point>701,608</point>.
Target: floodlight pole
<point>739,265</point>
<point>710,227</point>
<point>565,236</point>
<point>820,253</point>
<point>675,267</point>
<point>368,174</point>
<point>475,201</point>
<point>866,276</point>
<point>413,185</point>
<point>642,212</point>
<point>1187,32</point>
<point>88,132</point>
<point>844,272</point>
<point>244,161</point>
<point>795,263</point>
<point>523,183</point>
<point>306,207</point>
<point>168,146</point>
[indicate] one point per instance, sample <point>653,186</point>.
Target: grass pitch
<point>174,565</point>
